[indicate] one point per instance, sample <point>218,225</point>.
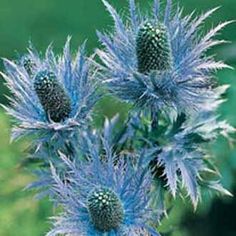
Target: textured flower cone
<point>105,209</point>
<point>153,48</point>
<point>52,96</point>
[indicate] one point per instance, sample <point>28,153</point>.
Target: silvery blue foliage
<point>187,86</point>
<point>89,185</point>
<point>35,81</point>
<point>182,159</point>
<point>185,158</point>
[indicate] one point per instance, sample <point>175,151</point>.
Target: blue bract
<point>158,61</point>
<point>53,96</point>
<point>186,159</point>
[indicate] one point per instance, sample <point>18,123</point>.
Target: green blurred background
<point>48,21</point>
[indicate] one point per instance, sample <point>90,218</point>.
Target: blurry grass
<point>20,213</point>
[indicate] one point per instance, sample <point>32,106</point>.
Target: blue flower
<point>52,96</point>
<point>159,61</point>
<point>106,195</point>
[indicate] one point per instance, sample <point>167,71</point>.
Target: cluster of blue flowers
<point>113,182</point>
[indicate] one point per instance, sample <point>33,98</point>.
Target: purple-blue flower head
<point>52,95</point>
<point>159,61</point>
<point>106,195</point>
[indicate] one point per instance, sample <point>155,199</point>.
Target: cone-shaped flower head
<point>159,61</point>
<point>104,195</point>
<point>53,95</point>
<point>153,48</point>
<point>105,209</point>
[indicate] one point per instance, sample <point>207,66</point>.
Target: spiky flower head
<point>158,61</point>
<point>53,95</point>
<point>105,195</point>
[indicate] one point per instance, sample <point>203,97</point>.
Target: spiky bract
<point>28,64</point>
<point>105,195</point>
<point>185,156</point>
<point>153,48</point>
<point>53,100</point>
<point>56,103</point>
<point>186,86</point>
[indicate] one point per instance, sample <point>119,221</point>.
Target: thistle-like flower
<point>107,195</point>
<point>158,61</point>
<point>53,96</point>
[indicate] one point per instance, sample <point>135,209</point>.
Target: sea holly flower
<point>106,195</point>
<point>159,61</point>
<point>53,96</point>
